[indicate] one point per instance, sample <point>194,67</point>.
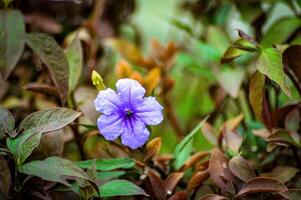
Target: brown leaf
<point>213,197</point>
<point>218,168</point>
<point>241,168</point>
<point>197,179</point>
<point>263,133</point>
<point>283,173</point>
<point>127,49</point>
<point>209,133</point>
<point>123,69</point>
<point>261,184</point>
<point>232,123</point>
<point>155,185</point>
<point>152,79</point>
<point>5,178</point>
<point>292,120</point>
<point>233,140</point>
<point>44,23</point>
<point>256,90</point>
<point>171,181</point>
<point>42,88</point>
<point>192,160</point>
<point>152,148</point>
<point>179,196</point>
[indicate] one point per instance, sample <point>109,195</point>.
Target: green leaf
<point>23,145</point>
<point>74,54</point>
<point>49,120</point>
<point>7,122</point>
<point>54,169</point>
<point>183,150</point>
<point>270,64</point>
<point>120,188</point>
<point>280,31</point>
<point>54,58</point>
<point>107,175</point>
<point>12,37</point>
<point>108,164</point>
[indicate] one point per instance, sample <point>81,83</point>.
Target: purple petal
<point>130,90</point>
<point>135,133</point>
<point>110,126</point>
<point>149,111</point>
<point>107,101</point>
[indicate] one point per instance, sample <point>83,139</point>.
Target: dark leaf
<point>261,184</point>
<point>282,137</point>
<point>54,169</point>
<point>120,188</point>
<point>54,58</point>
<point>42,88</point>
<point>12,40</point>
<point>7,122</point>
<point>292,62</point>
<point>283,173</point>
<point>155,186</point>
<point>241,168</point>
<point>291,194</point>
<point>292,120</point>
<point>5,178</point>
<point>49,120</point>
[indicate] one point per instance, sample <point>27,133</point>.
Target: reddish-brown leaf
<point>171,181</point>
<point>179,196</point>
<point>209,133</point>
<point>218,168</point>
<point>42,88</point>
<point>261,184</point>
<point>193,160</point>
<point>213,197</point>
<point>197,179</point>
<point>241,168</point>
<point>155,186</point>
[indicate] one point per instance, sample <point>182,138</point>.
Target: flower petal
<point>110,126</point>
<point>130,90</point>
<point>107,101</point>
<point>149,111</point>
<point>135,133</point>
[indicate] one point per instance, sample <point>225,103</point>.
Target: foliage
<point>228,80</point>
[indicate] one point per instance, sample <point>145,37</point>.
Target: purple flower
<point>127,113</point>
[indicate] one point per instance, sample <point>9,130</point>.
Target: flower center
<point>128,112</point>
